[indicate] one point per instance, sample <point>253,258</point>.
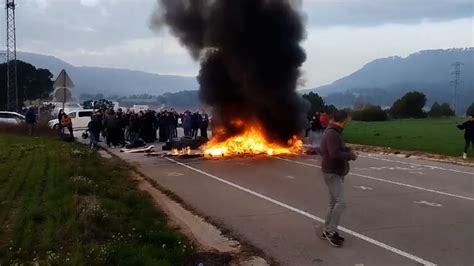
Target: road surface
<point>399,211</point>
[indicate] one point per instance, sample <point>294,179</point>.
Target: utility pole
<point>12,87</point>
<point>456,83</point>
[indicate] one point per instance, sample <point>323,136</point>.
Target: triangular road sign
<point>63,81</point>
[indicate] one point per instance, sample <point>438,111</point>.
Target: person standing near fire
<point>468,128</point>
<point>315,129</point>
<point>335,166</point>
<point>204,125</point>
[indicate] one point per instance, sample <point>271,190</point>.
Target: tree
<point>470,110</point>
<point>89,104</point>
<point>330,109</point>
<point>317,103</point>
<point>409,106</point>
<point>438,110</point>
<point>435,110</point>
<point>446,110</point>
<point>32,83</point>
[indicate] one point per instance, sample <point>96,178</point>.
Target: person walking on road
<point>30,120</point>
<point>94,128</point>
<point>468,128</point>
<point>335,166</point>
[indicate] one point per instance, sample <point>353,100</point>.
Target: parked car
<point>11,118</point>
<point>80,119</point>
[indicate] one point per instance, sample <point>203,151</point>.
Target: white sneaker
<point>464,155</point>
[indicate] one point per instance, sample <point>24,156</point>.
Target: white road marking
<point>175,174</point>
<point>416,173</point>
<point>432,204</point>
<point>308,215</point>
<point>386,181</point>
<point>364,188</point>
<point>290,177</point>
<point>419,165</point>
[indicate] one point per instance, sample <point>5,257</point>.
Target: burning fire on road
<point>251,141</point>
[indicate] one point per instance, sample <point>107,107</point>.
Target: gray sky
<point>342,35</point>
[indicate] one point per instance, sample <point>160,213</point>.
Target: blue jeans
<point>335,184</point>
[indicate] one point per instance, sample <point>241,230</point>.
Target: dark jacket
<point>112,122</point>
<point>134,124</point>
<point>60,117</point>
<point>187,122</point>
<point>334,152</point>
<point>468,126</point>
<point>196,121</point>
<point>315,124</point>
<point>95,126</point>
<point>30,117</point>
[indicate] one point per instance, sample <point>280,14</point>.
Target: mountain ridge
<point>111,81</point>
<point>383,80</point>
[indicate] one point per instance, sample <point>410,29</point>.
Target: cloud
<point>342,34</point>
<point>326,13</point>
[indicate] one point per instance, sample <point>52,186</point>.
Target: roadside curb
<point>417,155</point>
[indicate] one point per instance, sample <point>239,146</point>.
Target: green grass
<point>62,204</point>
<point>439,136</point>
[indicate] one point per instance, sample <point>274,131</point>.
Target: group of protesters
<point>147,126</point>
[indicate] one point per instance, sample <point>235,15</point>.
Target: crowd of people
<point>148,126</point>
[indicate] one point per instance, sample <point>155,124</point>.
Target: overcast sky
<point>342,35</point>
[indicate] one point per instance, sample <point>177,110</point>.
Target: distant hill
<point>384,80</point>
<point>111,81</point>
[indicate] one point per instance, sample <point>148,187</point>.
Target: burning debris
<point>250,58</point>
<point>251,141</point>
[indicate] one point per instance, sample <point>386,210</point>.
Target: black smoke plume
<point>250,57</point>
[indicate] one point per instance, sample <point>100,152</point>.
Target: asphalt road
<point>399,211</point>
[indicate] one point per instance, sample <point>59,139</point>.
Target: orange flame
<point>251,141</point>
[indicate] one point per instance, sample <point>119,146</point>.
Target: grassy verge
<point>430,135</point>
<point>61,204</point>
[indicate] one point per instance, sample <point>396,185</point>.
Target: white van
<point>80,119</point>
<point>11,118</point>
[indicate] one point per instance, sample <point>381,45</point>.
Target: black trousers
<point>469,142</point>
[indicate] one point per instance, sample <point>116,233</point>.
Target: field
<point>62,204</point>
<point>430,135</point>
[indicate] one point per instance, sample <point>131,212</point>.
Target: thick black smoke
<point>250,59</point>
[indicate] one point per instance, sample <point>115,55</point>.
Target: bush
<point>370,113</point>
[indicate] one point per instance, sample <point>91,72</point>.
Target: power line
<point>456,83</point>
<point>12,87</point>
